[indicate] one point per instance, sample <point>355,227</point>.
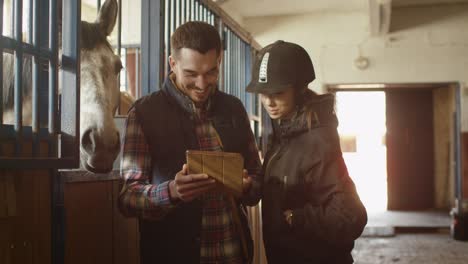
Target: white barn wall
<point>427,44</point>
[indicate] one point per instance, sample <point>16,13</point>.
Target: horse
<point>99,91</point>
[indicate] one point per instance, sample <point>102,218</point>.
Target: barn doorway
<point>362,130</point>
<point>398,141</point>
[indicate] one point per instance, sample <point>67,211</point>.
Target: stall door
<point>410,149</point>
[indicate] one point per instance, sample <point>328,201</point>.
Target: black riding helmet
<point>280,65</point>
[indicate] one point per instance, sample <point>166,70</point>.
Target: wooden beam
<point>232,24</point>
<point>412,3</point>
<point>380,16</point>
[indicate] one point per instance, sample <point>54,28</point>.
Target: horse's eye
<point>118,66</point>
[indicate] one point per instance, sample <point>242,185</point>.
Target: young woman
<point>311,211</point>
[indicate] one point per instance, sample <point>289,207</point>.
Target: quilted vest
<point>168,125</point>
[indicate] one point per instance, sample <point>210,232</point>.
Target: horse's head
<point>100,68</point>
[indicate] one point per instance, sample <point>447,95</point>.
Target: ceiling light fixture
<point>361,63</point>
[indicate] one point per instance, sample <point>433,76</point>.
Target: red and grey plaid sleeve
<point>138,196</point>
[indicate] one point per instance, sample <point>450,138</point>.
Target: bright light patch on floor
<point>362,130</point>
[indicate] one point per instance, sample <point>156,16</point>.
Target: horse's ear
<point>107,16</point>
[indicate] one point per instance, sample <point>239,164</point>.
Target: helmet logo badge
<point>263,71</point>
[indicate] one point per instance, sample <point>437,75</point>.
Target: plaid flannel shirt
<point>219,242</point>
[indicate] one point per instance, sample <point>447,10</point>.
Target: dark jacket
<point>167,122</point>
<point>304,171</point>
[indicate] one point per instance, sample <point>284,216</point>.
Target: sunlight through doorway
<point>362,132</point>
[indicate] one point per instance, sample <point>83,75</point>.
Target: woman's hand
<point>246,181</point>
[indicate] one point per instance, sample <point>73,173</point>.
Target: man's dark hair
<point>196,35</point>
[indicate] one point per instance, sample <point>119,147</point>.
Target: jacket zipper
<point>267,170</point>
<point>285,187</point>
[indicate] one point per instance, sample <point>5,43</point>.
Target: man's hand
<point>187,187</point>
<point>246,182</point>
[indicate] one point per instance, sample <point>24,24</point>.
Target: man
<point>183,218</point>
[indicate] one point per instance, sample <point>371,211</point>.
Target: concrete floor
<point>387,239</point>
<point>431,218</point>
<point>424,248</point>
<point>385,223</point>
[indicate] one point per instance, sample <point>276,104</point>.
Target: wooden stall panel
<point>126,238</point>
<point>465,164</point>
<point>89,232</point>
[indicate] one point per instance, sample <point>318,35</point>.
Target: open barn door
<point>410,149</point>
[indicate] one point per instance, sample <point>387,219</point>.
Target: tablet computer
<point>225,167</point>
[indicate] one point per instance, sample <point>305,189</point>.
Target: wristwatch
<point>289,217</point>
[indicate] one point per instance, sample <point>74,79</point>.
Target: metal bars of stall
<point>35,79</point>
<point>236,67</point>
<point>237,74</point>
<point>53,75</point>
<point>123,80</point>
<point>71,15</point>
<point>130,65</point>
<point>40,49</point>
<point>18,62</point>
<point>119,31</point>
<point>153,39</point>
<point>1,72</point>
<point>137,73</point>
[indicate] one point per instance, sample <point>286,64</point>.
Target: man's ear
<point>172,62</point>
<point>220,57</point>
